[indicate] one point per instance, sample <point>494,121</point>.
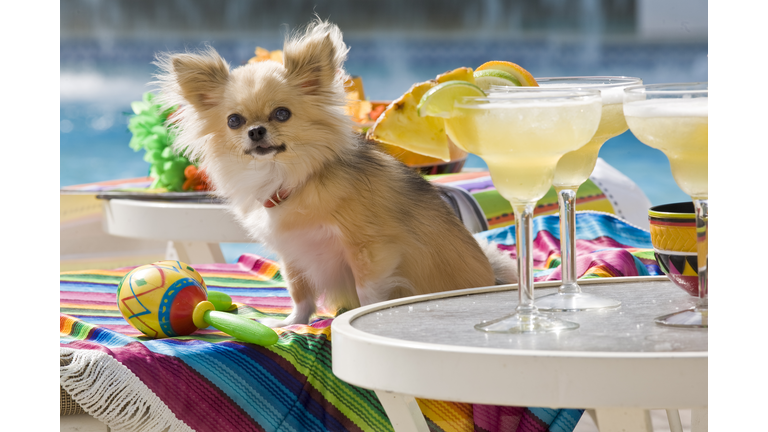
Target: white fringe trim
<point>111,393</point>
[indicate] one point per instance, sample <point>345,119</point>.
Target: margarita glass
<point>674,119</point>
<point>521,135</point>
<point>573,169</point>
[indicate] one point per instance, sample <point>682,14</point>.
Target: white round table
<point>195,228</point>
<point>618,362</point>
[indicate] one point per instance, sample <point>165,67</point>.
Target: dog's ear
<point>314,58</point>
<point>200,77</point>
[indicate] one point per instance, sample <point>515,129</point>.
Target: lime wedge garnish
<point>486,78</point>
<point>438,101</point>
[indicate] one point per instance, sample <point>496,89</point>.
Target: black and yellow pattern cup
<point>673,234</point>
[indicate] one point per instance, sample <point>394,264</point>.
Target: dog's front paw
<point>274,323</point>
<point>301,313</point>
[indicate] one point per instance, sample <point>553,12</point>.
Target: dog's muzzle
<point>259,146</point>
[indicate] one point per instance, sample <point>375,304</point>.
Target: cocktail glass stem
<point>569,296</point>
<point>526,318</point>
<point>566,198</point>
<point>524,246</point>
<point>702,240</point>
<point>699,315</point>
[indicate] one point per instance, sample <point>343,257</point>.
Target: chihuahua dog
<point>352,225</point>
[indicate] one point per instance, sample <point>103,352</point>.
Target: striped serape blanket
<point>209,382</point>
<point>606,246</point>
<point>499,212</point>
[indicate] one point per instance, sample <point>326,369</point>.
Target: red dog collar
<point>277,198</point>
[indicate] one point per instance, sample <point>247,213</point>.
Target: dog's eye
<point>281,114</point>
<point>234,121</point>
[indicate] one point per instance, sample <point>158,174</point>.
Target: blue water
<point>99,81</point>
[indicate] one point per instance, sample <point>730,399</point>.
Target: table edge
<point>165,204</point>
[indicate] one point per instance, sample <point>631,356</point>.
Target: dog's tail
<point>504,266</point>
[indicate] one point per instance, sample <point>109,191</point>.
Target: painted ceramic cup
<point>673,234</point>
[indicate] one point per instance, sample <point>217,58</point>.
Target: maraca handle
<point>221,301</point>
<point>241,328</point>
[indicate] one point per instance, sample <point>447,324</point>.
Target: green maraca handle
<point>241,328</point>
<point>221,301</point>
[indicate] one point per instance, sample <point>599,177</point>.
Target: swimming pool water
<point>99,81</point>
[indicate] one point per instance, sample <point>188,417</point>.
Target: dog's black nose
<point>257,133</point>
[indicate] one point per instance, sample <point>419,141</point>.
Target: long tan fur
<point>358,226</point>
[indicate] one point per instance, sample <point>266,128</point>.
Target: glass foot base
<point>535,322</point>
<point>691,318</point>
<point>566,302</point>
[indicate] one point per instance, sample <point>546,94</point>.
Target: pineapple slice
<point>459,74</point>
<point>400,125</point>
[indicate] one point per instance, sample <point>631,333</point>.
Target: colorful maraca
<point>169,298</point>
